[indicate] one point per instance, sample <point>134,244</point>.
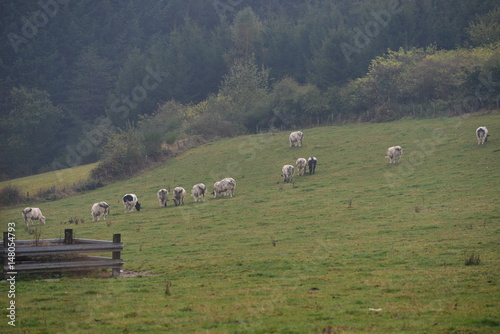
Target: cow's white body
<point>100,209</point>
<point>287,173</point>
<point>301,165</point>
<point>31,214</point>
<point>198,192</point>
<point>225,186</point>
<point>179,194</point>
<point>296,138</point>
<point>163,197</point>
<point>394,154</point>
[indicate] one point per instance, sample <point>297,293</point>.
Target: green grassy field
<point>60,179</point>
<point>360,247</point>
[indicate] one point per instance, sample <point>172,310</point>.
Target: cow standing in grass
<point>130,202</point>
<point>31,214</point>
<point>179,194</point>
<point>301,165</point>
<point>482,135</point>
<point>163,197</point>
<point>287,173</point>
<point>394,153</point>
<point>296,138</point>
<point>312,162</point>
<point>100,209</point>
<point>198,192</point>
<point>224,186</point>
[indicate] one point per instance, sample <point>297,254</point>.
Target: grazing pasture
<point>61,179</point>
<point>360,246</point>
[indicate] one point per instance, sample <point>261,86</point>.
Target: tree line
<point>78,80</point>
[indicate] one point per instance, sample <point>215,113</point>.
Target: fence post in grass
<point>68,236</point>
<point>117,238</point>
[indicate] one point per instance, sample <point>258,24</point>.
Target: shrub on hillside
<point>424,79</point>
<point>121,156</point>
<point>10,194</point>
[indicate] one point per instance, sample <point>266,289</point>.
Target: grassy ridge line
<point>60,179</point>
<point>400,246</point>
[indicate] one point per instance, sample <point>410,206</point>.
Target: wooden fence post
<point>68,236</point>
<point>117,238</point>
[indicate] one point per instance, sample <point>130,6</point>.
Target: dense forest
<point>119,81</point>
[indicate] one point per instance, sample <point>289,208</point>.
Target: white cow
<point>198,192</point>
<point>130,202</point>
<point>179,194</point>
<point>312,162</point>
<point>30,214</point>
<point>296,138</point>
<point>301,165</point>
<point>224,186</point>
<point>394,153</point>
<point>100,209</point>
<point>163,197</point>
<point>287,173</point>
<point>482,135</point>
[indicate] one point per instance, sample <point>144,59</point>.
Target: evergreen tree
<point>34,132</point>
<point>91,84</point>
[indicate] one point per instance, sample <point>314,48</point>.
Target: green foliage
<point>11,194</point>
<point>122,156</point>
<point>296,105</point>
<point>90,85</point>
<point>211,118</point>
<point>404,82</point>
<point>246,33</point>
<point>32,131</point>
<point>238,105</point>
<point>487,29</point>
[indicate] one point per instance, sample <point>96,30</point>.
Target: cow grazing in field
<point>130,202</point>
<point>301,165</point>
<point>225,186</point>
<point>394,153</point>
<point>312,162</point>
<point>31,214</point>
<point>198,192</point>
<point>296,138</point>
<point>287,173</point>
<point>100,209</point>
<point>179,194</point>
<point>163,197</point>
<point>482,135</point>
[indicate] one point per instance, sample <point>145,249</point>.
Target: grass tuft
<point>472,260</point>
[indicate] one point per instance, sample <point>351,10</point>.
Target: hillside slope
<point>299,257</point>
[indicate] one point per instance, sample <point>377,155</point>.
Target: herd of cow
<point>225,186</point>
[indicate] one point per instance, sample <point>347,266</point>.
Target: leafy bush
<point>487,29</point>
<point>426,81</point>
<point>121,156</point>
<point>90,184</point>
<point>11,194</point>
